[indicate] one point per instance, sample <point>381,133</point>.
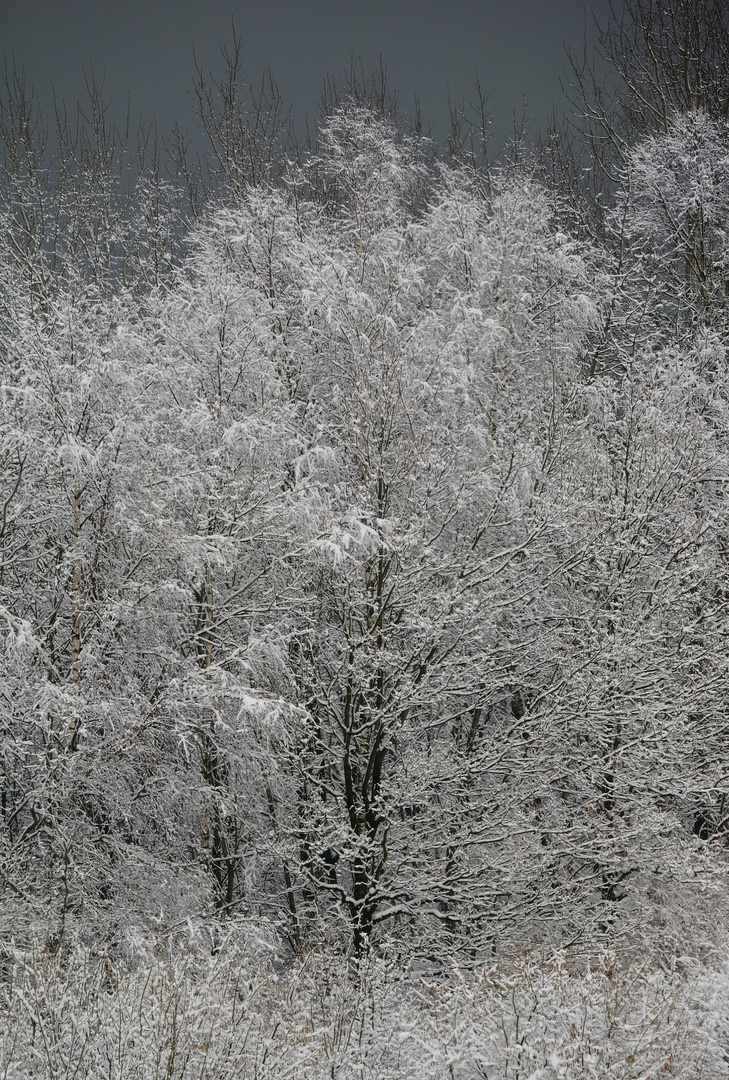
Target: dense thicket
<point>363,594</point>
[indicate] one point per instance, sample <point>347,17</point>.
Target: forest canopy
<point>363,587</point>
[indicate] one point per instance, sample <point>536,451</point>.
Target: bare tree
<point>653,60</point>
<point>249,130</point>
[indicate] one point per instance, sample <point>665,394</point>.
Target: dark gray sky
<point>145,48</point>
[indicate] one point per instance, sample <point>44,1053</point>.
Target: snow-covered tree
<point>673,209</point>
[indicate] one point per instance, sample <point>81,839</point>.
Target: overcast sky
<point>145,48</point>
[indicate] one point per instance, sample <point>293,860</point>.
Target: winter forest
<point>364,585</point>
